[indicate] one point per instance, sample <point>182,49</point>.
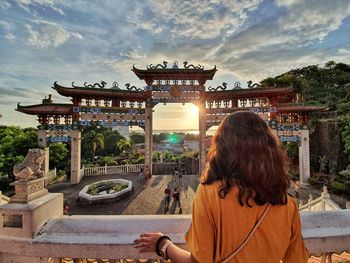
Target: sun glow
<point>193,109</point>
<point>175,116</point>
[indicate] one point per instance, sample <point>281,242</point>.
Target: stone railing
<point>3,199</point>
<point>103,170</point>
<point>322,203</point>
<point>84,238</point>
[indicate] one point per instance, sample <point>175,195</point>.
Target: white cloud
<point>271,48</point>
<point>4,4</point>
<point>27,4</point>
<point>288,2</point>
<point>314,19</point>
<point>343,51</point>
<point>194,19</point>
<point>44,34</point>
<point>7,30</point>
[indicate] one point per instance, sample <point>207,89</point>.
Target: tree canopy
<point>328,86</point>
<point>14,145</point>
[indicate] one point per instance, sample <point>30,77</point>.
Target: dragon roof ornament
<point>175,66</point>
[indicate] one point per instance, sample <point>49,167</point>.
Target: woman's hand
<point>147,242</point>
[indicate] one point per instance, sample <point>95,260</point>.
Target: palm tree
<point>94,140</point>
<point>124,144</point>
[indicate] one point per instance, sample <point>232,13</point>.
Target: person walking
<point>241,211</point>
<point>167,195</point>
<point>141,174</point>
<point>176,198</point>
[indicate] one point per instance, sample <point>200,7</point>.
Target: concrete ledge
<point>326,231</point>
<point>112,236</point>
<point>32,216</point>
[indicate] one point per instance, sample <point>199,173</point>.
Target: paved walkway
<point>148,198</point>
<point>150,201</point>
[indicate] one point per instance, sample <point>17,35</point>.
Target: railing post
<point>309,201</point>
<point>105,168</point>
<point>325,196</point>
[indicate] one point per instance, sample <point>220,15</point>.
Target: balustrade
<point>103,170</point>
<point>85,238</point>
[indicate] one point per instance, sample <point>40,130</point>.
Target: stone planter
<point>105,197</point>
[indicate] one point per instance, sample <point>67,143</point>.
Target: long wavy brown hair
<point>245,153</point>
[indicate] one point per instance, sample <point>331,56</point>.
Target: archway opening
<point>175,138</point>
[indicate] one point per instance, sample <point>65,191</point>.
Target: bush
<point>107,160</point>
<point>313,181</point>
<point>61,173</point>
<point>339,188</point>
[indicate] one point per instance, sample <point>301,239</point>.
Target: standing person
<point>241,211</point>
<point>66,210</point>
<point>141,174</point>
<point>167,195</point>
<point>176,197</point>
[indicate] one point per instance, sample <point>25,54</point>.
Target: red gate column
<point>202,137</point>
<point>75,145</point>
<point>148,136</point>
<point>304,156</point>
<point>75,156</point>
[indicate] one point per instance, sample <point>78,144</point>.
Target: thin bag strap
<point>234,253</point>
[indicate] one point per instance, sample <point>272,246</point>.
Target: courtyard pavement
<point>148,197</point>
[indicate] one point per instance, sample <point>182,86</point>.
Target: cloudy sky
<point>42,41</point>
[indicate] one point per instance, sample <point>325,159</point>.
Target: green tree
<point>14,145</point>
<point>58,155</point>
<point>137,137</point>
<point>125,145</point>
<point>328,85</point>
<point>111,139</point>
<point>345,133</point>
<point>94,140</point>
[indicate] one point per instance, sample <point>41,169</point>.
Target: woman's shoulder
<point>209,187</point>
<point>291,202</point>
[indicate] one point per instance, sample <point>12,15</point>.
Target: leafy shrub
<point>339,188</point>
<point>119,187</point>
<point>95,188</point>
<point>313,181</point>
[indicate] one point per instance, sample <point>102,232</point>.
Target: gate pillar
<point>202,137</point>
<point>304,157</point>
<point>75,156</point>
<point>148,137</point>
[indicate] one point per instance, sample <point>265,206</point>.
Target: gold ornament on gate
<point>175,91</point>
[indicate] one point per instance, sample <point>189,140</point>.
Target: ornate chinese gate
<point>96,104</point>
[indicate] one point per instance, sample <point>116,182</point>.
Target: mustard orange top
<point>219,226</point>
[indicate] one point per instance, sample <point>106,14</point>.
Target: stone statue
<point>30,168</point>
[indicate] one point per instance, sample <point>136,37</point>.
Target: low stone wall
<point>112,236</point>
<point>191,166</point>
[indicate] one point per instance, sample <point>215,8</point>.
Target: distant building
<point>140,147</point>
<point>191,145</point>
<point>166,146</point>
<point>123,130</point>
